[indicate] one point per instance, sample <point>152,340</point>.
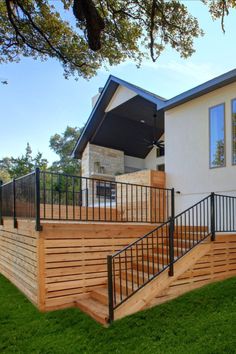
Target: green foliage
<point>219,156</point>
<point>62,145</point>
<point>203,321</point>
<point>220,8</point>
<point>105,32</point>
<point>102,32</point>
<point>19,166</point>
<point>4,175</point>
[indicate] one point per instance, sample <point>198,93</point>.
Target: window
<point>160,151</point>
<point>217,136</point>
<point>106,190</point>
<point>161,167</point>
<point>234,132</point>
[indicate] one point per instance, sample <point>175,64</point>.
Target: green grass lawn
<point>203,321</point>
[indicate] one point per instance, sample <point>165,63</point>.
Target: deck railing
<point>45,195</point>
<point>131,268</point>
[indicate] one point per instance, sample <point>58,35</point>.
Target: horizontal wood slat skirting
<point>66,261</point>
<point>18,256</point>
<point>217,264</point>
<point>76,257</point>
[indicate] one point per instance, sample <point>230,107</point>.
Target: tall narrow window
<point>234,132</point>
<point>217,136</point>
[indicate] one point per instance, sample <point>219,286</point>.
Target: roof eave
<point>201,90</point>
<point>107,92</point>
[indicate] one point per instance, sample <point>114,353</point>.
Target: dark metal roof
<point>201,90</point>
<point>98,113</point>
<point>122,129</point>
<point>96,129</point>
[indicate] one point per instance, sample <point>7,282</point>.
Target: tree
<point>19,166</point>
<point>62,145</point>
<point>219,156</point>
<point>4,175</point>
<point>106,31</point>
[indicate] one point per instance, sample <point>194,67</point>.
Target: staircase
<point>146,267</point>
<point>96,303</point>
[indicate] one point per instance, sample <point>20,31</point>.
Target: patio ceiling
<point>129,126</point>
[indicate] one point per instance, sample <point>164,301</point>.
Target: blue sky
<point>39,102</point>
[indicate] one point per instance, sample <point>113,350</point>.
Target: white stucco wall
<point>187,149</point>
<point>121,95</point>
<point>134,163</point>
<point>151,160</point>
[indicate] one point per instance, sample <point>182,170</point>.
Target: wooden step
<point>124,287</point>
<point>147,266</point>
<point>156,257</point>
<point>137,277</point>
<point>100,294</point>
<point>93,308</point>
<point>165,250</point>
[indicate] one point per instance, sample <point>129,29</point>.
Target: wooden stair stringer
<point>141,299</point>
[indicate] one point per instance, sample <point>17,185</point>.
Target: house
<point>152,216</point>
<point>197,128</point>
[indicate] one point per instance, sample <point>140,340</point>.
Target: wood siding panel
<point>76,257</point>
<point>218,264</point>
<point>18,256</point>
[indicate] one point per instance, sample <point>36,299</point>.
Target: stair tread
<point>94,308</point>
<point>101,290</point>
<point>100,294</point>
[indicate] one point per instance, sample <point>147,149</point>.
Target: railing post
<point>14,204</point>
<point>38,227</point>
<point>171,233</point>
<point>172,203</point>
<point>1,220</point>
<point>171,246</point>
<point>110,288</point>
<point>213,221</point>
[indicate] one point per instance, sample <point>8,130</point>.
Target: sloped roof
<point>161,103</point>
<point>97,113</point>
<point>200,90</point>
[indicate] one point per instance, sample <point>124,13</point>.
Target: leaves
<point>62,145</point>
<point>106,31</point>
<point>19,166</point>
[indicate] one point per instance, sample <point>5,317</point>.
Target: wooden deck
<point>64,265</point>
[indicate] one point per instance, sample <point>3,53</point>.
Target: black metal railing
<point>225,213</point>
<point>134,266</point>
<point>45,195</point>
<point>68,197</point>
<point>18,198</point>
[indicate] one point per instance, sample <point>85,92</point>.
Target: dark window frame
<point>232,140</point>
<point>105,190</point>
<point>209,131</point>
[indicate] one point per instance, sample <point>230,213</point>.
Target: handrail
<point>135,265</point>
<point>65,197</point>
<point>104,180</point>
<point>140,239</point>
<point>105,201</point>
<point>140,262</point>
<point>18,178</point>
